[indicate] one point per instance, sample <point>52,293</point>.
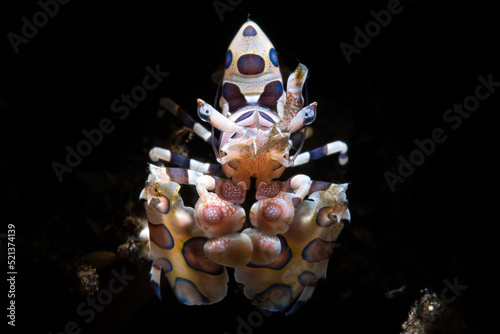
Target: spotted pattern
<point>195,257</point>
<point>318,250</point>
<point>213,214</point>
<point>251,64</point>
<point>269,190</point>
<point>273,56</point>
<point>232,94</point>
<point>272,211</point>
<point>160,235</point>
<point>272,92</point>
<point>229,58</point>
<point>308,278</point>
<point>228,191</point>
<point>194,276</point>
<point>187,292</point>
<point>282,259</point>
<point>249,31</point>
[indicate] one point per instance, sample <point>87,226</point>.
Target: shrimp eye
<point>204,113</point>
<point>310,114</point>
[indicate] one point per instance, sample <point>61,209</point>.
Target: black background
<point>437,226</point>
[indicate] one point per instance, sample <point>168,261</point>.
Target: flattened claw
<point>176,244</point>
<point>306,246</point>
<point>293,226</point>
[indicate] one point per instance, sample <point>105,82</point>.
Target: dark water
<point>422,169</point>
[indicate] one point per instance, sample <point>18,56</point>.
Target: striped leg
<point>158,153</point>
<point>323,151</point>
<point>176,110</point>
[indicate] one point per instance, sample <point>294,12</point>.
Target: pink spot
<point>217,217</point>
<point>212,214</point>
<point>228,191</point>
<point>269,190</point>
<point>272,211</point>
<point>318,250</point>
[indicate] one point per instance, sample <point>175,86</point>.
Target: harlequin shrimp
<point>280,248</point>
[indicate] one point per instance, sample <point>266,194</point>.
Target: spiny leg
<point>323,151</point>
<point>158,153</point>
<point>188,121</point>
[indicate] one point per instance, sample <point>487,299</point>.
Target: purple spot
<point>308,278</point>
<point>251,64</point>
<point>232,94</point>
<point>187,292</point>
<point>230,192</point>
<point>269,190</point>
<point>229,58</point>
<point>160,235</point>
<point>318,185</point>
<point>273,56</point>
<point>269,97</point>
<point>318,250</point>
<point>195,257</point>
<point>249,31</point>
